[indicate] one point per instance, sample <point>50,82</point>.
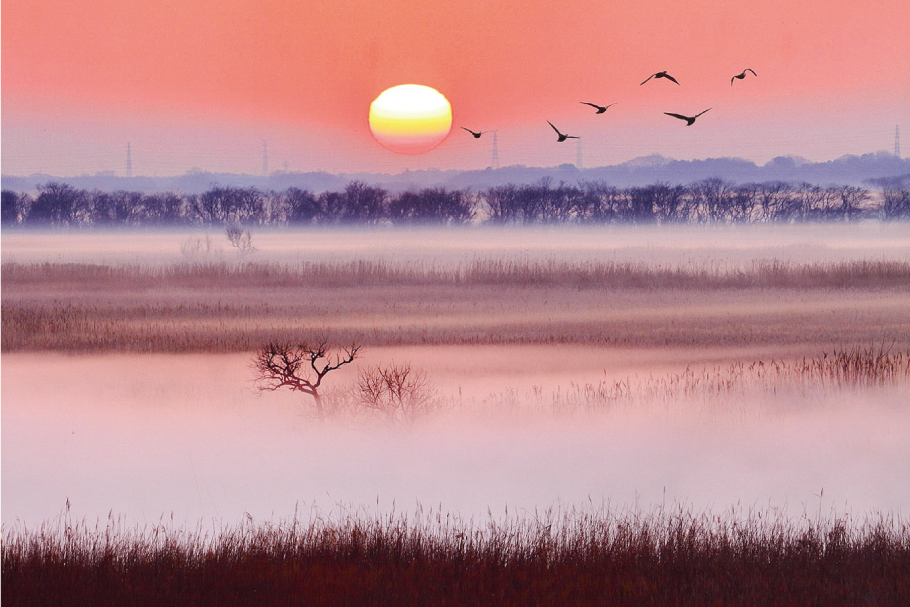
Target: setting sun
<point>410,118</point>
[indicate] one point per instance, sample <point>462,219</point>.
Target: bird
<point>600,108</point>
<point>561,136</point>
<point>662,74</point>
<point>476,134</point>
<point>689,120</point>
<point>742,75</point>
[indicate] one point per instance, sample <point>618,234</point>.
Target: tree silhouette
<point>300,368</point>
<point>397,392</point>
<point>896,204</point>
<point>9,207</point>
<point>239,238</point>
<point>59,204</point>
<point>302,206</point>
<point>436,206</point>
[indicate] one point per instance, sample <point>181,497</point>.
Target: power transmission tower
<point>897,141</point>
<point>129,160</point>
<point>265,158</point>
<point>578,164</point>
<point>494,161</point>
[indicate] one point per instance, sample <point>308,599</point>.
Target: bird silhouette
<point>600,108</point>
<point>690,120</point>
<point>476,134</point>
<point>742,75</point>
<point>663,74</point>
<point>561,136</point>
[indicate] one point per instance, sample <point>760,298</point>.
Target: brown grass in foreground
<point>597,557</point>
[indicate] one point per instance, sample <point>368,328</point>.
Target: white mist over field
<point>668,246</point>
<point>152,435</point>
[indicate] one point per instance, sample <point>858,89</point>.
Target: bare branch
<point>397,392</point>
<point>281,365</point>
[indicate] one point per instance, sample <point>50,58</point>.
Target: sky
<point>208,84</point>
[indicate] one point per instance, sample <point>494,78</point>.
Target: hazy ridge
<point>849,170</point>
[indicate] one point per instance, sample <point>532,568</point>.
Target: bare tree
<point>743,203</point>
<point>504,203</point>
<point>241,239</point>
<point>712,198</point>
<point>300,368</point>
<point>397,392</point>
<point>10,207</point>
<point>853,200</point>
<point>774,200</point>
<point>194,248</point>
<point>225,204</point>
<point>895,204</point>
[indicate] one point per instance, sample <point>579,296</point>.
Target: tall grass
<point>847,368</point>
<point>592,556</point>
<point>222,307</point>
<point>513,272</point>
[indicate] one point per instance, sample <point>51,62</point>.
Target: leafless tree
<point>774,200</point>
<point>504,204</point>
<point>194,248</point>
<point>300,368</point>
<point>896,204</point>
<point>743,203</point>
<point>711,199</point>
<point>853,201</point>
<point>241,239</point>
<point>397,392</point>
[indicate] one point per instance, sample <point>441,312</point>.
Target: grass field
<point>237,307</point>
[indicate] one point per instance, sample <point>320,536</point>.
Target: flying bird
<point>476,134</point>
<point>689,120</point>
<point>742,75</point>
<point>663,74</point>
<point>600,108</point>
<point>561,136</point>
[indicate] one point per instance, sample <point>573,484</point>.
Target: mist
<point>188,436</point>
<point>717,246</point>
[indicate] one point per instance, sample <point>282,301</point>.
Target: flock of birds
<point>600,109</point>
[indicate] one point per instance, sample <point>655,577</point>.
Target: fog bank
<point>147,436</point>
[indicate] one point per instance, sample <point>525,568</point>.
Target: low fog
<point>713,246</point>
<point>188,436</point>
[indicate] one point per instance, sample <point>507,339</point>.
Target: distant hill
<point>863,170</point>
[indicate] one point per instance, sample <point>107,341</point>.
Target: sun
<point>410,118</point>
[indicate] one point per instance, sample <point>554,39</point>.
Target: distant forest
<point>711,200</point>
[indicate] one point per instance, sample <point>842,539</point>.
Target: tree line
<point>712,200</point>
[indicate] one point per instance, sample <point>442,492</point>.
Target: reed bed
<point>237,307</point>
<point>514,272</point>
<point>851,368</point>
<point>590,556</point>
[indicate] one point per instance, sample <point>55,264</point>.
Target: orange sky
<point>203,83</point>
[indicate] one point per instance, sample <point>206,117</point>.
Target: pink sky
<point>202,84</point>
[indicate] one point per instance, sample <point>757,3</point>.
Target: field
<point>642,416</point>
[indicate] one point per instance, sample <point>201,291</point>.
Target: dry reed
<point>221,307</point>
<point>847,368</point>
<point>525,273</point>
<point>592,556</point>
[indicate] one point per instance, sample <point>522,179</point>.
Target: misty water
<point>188,435</point>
